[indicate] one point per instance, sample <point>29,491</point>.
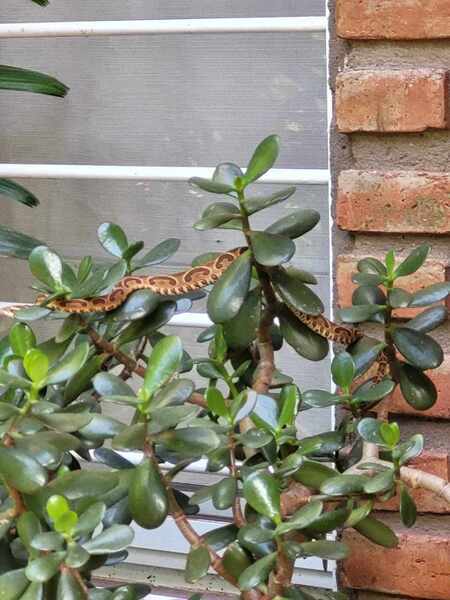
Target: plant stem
<point>238,515</point>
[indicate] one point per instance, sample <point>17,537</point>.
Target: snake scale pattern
<point>197,277</point>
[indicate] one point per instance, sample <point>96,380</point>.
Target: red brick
<point>419,567</point>
<point>434,271</point>
<point>436,463</point>
<point>391,100</point>
<point>393,202</point>
<point>393,19</point>
<point>441,410</point>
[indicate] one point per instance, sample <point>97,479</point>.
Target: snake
<point>183,282</point>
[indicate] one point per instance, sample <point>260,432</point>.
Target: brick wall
<point>390,155</point>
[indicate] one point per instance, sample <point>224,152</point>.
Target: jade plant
<point>70,494</point>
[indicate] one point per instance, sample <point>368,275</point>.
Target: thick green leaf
<point>113,539</point>
<point>258,572</point>
<point>193,441</point>
<point>163,363</point>
<point>140,304</point>
<point>410,449</point>
<point>377,532</point>
<point>266,412</point>
<point>66,422</point>
<point>369,430</point>
<point>226,173</point>
<point>221,537</point>
<point>364,352</point>
<point>112,238</point>
<point>343,370</point>
<point>217,214</point>
<point>263,159</point>
<point>313,474</point>
<point>14,78</point>
<point>228,294</point>
<point>255,438</point>
<point>148,324</point>
<point>262,492</point>
<point>321,398</point>
<point>147,496</point>
<point>390,433</point>
<point>296,224</point>
<point>68,588</point>
<point>371,265</point>
<point>419,349</point>
<point>69,365</point>
<point>429,319</point>
<point>328,521</point>
<point>197,564</point>
<point>48,541</point>
<point>417,388</point>
<point>257,203</point>
<point>271,250</point>
<point>47,266</point>
<point>107,384</point>
<point>82,380</point>
<point>100,428</point>
<point>216,402</point>
<point>131,438</point>
<point>13,381</point>
<point>13,190</point>
<point>224,493</point>
<point>324,549</point>
<point>399,298</point>
<point>257,536</point>
<point>16,244</point>
<point>236,560</point>
<point>344,484</point>
<point>305,342</point>
<point>376,392</point>
<point>301,518</point>
<point>208,185</point>
<point>79,484</point>
<point>431,294</point>
<point>413,261</point>
<point>36,365</point>
<point>159,254</point>
<point>296,293</point>
<point>28,527</point>
<point>174,393</point>
<point>359,313</point>
<point>77,556</point>
<point>21,471</point>
<point>289,400</point>
<point>241,331</point>
<point>382,482</point>
<point>13,584</point>
<point>42,569</point>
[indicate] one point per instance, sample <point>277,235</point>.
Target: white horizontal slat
<point>182,320</point>
<point>31,171</point>
<point>141,27</point>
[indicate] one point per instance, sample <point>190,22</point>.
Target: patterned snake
<point>176,284</point>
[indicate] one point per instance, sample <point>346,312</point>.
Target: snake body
<point>176,284</point>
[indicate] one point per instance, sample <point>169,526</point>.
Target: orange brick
<point>391,100</point>
<point>418,568</point>
<point>434,271</point>
<point>393,202</point>
<point>436,463</point>
<point>393,19</point>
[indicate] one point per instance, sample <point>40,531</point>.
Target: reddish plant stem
<point>238,515</point>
